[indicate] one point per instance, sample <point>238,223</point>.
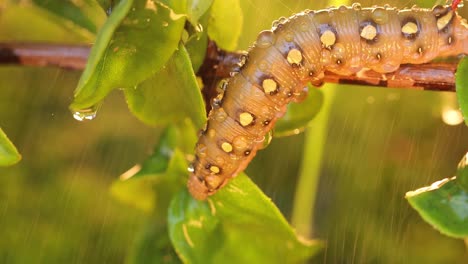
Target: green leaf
<point>299,115</point>
<point>237,225</point>
<point>29,23</point>
<point>462,172</point>
<point>153,184</point>
<point>461,80</point>
<point>8,153</point>
<point>196,9</point>
<point>153,245</point>
<point>225,23</point>
<point>87,13</point>
<point>444,205</point>
<point>136,41</point>
<point>169,96</point>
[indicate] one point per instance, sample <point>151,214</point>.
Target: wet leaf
<point>299,115</point>
<point>169,96</point>
<point>197,43</point>
<point>86,13</point>
<point>153,184</point>
<point>8,153</point>
<point>462,172</point>
<point>225,23</point>
<point>461,80</point>
<point>444,205</point>
<point>196,9</point>
<point>136,41</point>
<point>237,225</point>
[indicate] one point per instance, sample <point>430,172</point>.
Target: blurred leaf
<point>8,153</point>
<point>225,23</point>
<point>153,184</point>
<point>237,225</point>
<point>444,205</point>
<point>462,172</point>
<point>107,5</point>
<point>461,80</point>
<point>196,9</point>
<point>29,23</point>
<point>86,13</point>
<point>299,115</point>
<point>171,95</point>
<point>153,245</point>
<point>136,41</point>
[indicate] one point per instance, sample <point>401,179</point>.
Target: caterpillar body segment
<point>300,49</point>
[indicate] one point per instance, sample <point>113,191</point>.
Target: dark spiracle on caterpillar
<point>298,50</point>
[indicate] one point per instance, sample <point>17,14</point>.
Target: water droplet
<point>220,115</point>
<point>266,39</point>
<point>165,24</point>
<point>191,168</point>
<point>199,28</point>
<point>267,140</point>
<point>242,60</point>
<point>223,84</point>
<point>201,150</point>
<point>86,114</point>
<point>289,36</point>
<point>357,6</point>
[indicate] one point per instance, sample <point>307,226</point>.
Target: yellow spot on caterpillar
<point>443,21</point>
<point>369,32</point>
<point>245,119</point>
<point>410,28</point>
<point>269,86</point>
<point>328,38</point>
<point>214,169</point>
<point>294,56</point>
<point>226,147</point>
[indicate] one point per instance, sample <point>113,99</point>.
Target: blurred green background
<point>55,205</point>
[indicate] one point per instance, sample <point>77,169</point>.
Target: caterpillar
<point>298,50</point>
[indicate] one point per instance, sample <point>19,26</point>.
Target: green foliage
<point>444,205</point>
<point>8,153</point>
<point>135,42</point>
<point>299,115</point>
<point>45,25</point>
<point>237,225</point>
<point>462,87</point>
<point>84,14</point>
<point>225,23</point>
<point>169,96</point>
<point>462,172</point>
<point>151,186</point>
<point>144,48</point>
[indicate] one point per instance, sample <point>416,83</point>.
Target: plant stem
<point>309,173</point>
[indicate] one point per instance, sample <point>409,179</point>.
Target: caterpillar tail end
<point>197,188</point>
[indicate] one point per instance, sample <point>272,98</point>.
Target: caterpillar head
<point>197,188</point>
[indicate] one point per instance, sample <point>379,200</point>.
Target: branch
<point>40,55</point>
<point>218,64</point>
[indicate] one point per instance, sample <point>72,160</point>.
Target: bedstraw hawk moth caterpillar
<point>299,49</point>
